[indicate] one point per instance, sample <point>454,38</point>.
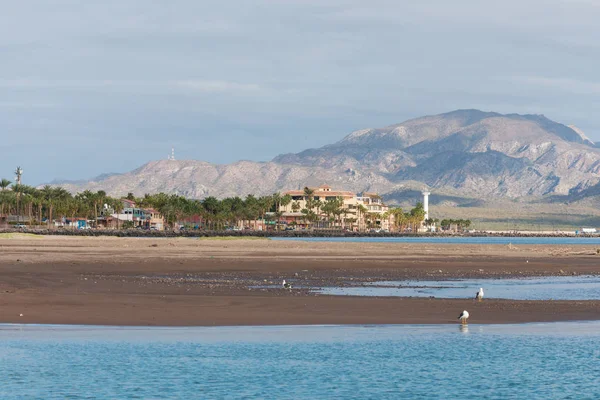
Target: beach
<point>215,282</point>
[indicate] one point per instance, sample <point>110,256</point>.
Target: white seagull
<point>463,317</point>
<point>479,294</point>
<point>286,285</point>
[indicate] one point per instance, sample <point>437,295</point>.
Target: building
<point>353,212</point>
<point>154,219</point>
<point>147,218</point>
<point>375,215</point>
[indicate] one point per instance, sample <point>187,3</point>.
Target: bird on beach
<point>479,294</point>
<point>463,317</point>
<point>286,285</point>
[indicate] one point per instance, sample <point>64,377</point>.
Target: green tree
<point>4,184</point>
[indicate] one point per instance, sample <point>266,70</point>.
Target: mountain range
<point>464,154</point>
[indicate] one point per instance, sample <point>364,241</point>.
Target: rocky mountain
<point>463,154</point>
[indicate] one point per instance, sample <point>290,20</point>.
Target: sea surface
<point>525,361</point>
<point>540,288</point>
<point>588,240</point>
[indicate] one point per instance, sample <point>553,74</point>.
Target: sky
<point>95,87</point>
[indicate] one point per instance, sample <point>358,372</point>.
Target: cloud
<point>193,85</point>
<point>218,86</point>
<point>568,85</point>
<point>289,74</point>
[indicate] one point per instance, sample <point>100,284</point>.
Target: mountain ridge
<point>469,153</point>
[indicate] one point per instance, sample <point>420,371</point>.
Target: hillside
<point>464,154</point>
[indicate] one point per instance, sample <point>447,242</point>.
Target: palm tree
<point>4,184</point>
<point>117,206</point>
<point>18,189</point>
<point>285,201</point>
<point>309,198</point>
<point>362,210</point>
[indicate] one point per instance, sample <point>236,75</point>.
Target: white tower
<point>18,174</point>
<point>426,203</point>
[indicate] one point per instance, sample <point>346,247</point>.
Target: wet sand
<point>204,282</point>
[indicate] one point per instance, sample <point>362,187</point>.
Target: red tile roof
<point>321,193</point>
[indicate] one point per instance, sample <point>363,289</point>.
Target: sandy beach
<point>206,282</point>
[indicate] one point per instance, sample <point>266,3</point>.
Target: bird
<point>463,317</point>
<point>286,285</point>
<point>479,294</point>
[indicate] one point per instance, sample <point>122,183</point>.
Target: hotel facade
<point>355,212</point>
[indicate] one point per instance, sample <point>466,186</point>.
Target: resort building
<point>351,211</point>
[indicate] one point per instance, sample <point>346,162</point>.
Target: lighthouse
<point>426,204</point>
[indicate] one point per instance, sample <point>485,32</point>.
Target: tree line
<point>459,223</point>
<point>42,206</point>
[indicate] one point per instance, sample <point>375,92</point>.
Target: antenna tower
<point>171,156</point>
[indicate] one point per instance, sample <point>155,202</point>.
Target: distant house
<point>76,223</point>
<point>154,219</point>
<point>131,213</point>
<point>147,218</point>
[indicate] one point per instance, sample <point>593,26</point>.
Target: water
<point>546,288</point>
<point>595,240</point>
<point>530,361</point>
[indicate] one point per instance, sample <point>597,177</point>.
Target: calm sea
<point>531,361</point>
<point>595,240</point>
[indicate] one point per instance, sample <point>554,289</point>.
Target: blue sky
<point>94,87</point>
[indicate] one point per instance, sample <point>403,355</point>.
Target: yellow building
<point>354,212</point>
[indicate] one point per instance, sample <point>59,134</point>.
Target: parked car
<point>20,226</point>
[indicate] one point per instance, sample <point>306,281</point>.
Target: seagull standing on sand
<point>286,285</point>
<point>479,294</point>
<point>463,317</point>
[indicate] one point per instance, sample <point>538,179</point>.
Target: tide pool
<point>540,288</point>
<point>526,361</point>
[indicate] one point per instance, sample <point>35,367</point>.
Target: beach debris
<point>20,315</point>
<point>561,272</point>
<point>153,245</point>
<point>480,269</point>
<point>463,317</point>
<point>286,285</point>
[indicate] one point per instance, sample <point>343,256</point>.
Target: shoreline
<point>137,233</point>
<point>92,327</point>
<point>145,282</point>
